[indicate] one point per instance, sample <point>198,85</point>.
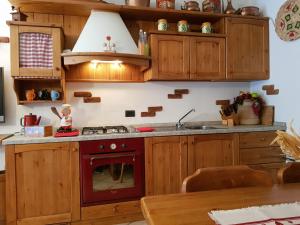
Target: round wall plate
<point>287,24</point>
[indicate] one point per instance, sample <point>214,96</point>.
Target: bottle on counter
<point>141,42</point>
<point>146,44</point>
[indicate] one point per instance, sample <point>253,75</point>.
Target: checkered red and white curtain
<point>36,50</point>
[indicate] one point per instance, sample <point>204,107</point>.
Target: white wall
<point>285,75</point>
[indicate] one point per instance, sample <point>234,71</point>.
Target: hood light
<point>114,63</point>
<point>94,61</point>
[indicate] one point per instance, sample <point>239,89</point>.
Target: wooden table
<point>193,208</point>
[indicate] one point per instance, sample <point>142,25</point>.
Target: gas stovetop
<point>104,130</point>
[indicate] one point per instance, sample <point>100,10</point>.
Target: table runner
<point>281,214</point>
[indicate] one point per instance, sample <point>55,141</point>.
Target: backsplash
<point>118,97</point>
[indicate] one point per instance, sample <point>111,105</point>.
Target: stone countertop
<point>160,130</point>
<point>4,136</point>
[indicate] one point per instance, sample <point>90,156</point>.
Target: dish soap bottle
<point>141,42</point>
<point>146,44</point>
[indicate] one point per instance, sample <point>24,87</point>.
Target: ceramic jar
<point>206,28</point>
<point>182,26</point>
<point>246,114</point>
<point>162,25</point>
<point>165,4</point>
<point>30,95</point>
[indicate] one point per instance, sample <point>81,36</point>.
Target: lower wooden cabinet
<point>2,197</point>
<point>42,183</point>
<point>255,151</point>
<point>170,159</point>
<point>166,164</point>
<point>212,150</point>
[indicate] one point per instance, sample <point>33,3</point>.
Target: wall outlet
<point>129,113</point>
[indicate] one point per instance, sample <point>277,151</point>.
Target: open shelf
<point>187,33</point>
<point>39,101</point>
<point>21,85</point>
<point>84,7</point>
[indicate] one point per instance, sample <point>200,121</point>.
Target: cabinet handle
<point>57,69</point>
<point>74,149</point>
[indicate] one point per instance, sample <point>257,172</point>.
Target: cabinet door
<point>166,164</point>
<point>170,57</point>
<point>212,150</point>
<point>207,58</point>
<point>247,49</point>
<point>36,51</point>
<point>42,183</point>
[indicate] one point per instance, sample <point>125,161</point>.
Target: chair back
<point>290,173</point>
<point>214,178</point>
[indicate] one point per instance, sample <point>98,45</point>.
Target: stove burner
<point>104,130</point>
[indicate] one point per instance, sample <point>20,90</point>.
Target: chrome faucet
<point>179,124</point>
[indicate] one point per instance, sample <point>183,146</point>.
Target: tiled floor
<point>134,223</point>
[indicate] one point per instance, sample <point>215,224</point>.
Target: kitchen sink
<point>200,127</point>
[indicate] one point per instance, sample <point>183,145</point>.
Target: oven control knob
<point>113,146</point>
<point>123,145</point>
<point>101,147</point>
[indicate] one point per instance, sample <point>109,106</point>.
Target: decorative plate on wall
<point>288,21</point>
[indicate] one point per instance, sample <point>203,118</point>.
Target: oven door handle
<point>111,157</point>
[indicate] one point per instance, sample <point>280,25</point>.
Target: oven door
<point>111,177</point>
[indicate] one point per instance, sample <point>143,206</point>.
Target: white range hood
<point>90,44</point>
<point>101,24</point>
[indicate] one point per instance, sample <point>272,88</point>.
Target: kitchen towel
<point>281,214</point>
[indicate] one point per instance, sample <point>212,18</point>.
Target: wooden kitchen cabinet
<point>42,183</point>
<point>170,57</point>
<point>212,150</point>
<point>29,44</point>
<point>247,49</point>
<point>166,164</point>
<point>255,151</point>
<point>2,197</point>
<point>187,58</point>
<point>207,58</point>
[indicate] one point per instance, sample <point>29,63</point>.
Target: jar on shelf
<point>206,28</point>
<point>162,25</point>
<point>182,26</point>
<point>165,4</point>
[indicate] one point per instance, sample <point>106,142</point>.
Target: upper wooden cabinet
<point>166,164</point>
<point>207,58</point>
<point>212,150</point>
<point>42,183</point>
<point>35,50</point>
<point>170,57</point>
<point>247,49</point>
<point>182,57</point>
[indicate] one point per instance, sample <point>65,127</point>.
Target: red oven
<point>112,170</point>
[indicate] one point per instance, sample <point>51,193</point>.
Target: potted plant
<point>248,107</point>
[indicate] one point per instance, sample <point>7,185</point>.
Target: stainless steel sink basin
<point>200,127</point>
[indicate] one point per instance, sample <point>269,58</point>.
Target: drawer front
<point>108,210</point>
<point>257,139</point>
<point>261,155</point>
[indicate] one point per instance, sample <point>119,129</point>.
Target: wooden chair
<point>214,178</point>
<point>290,173</point>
